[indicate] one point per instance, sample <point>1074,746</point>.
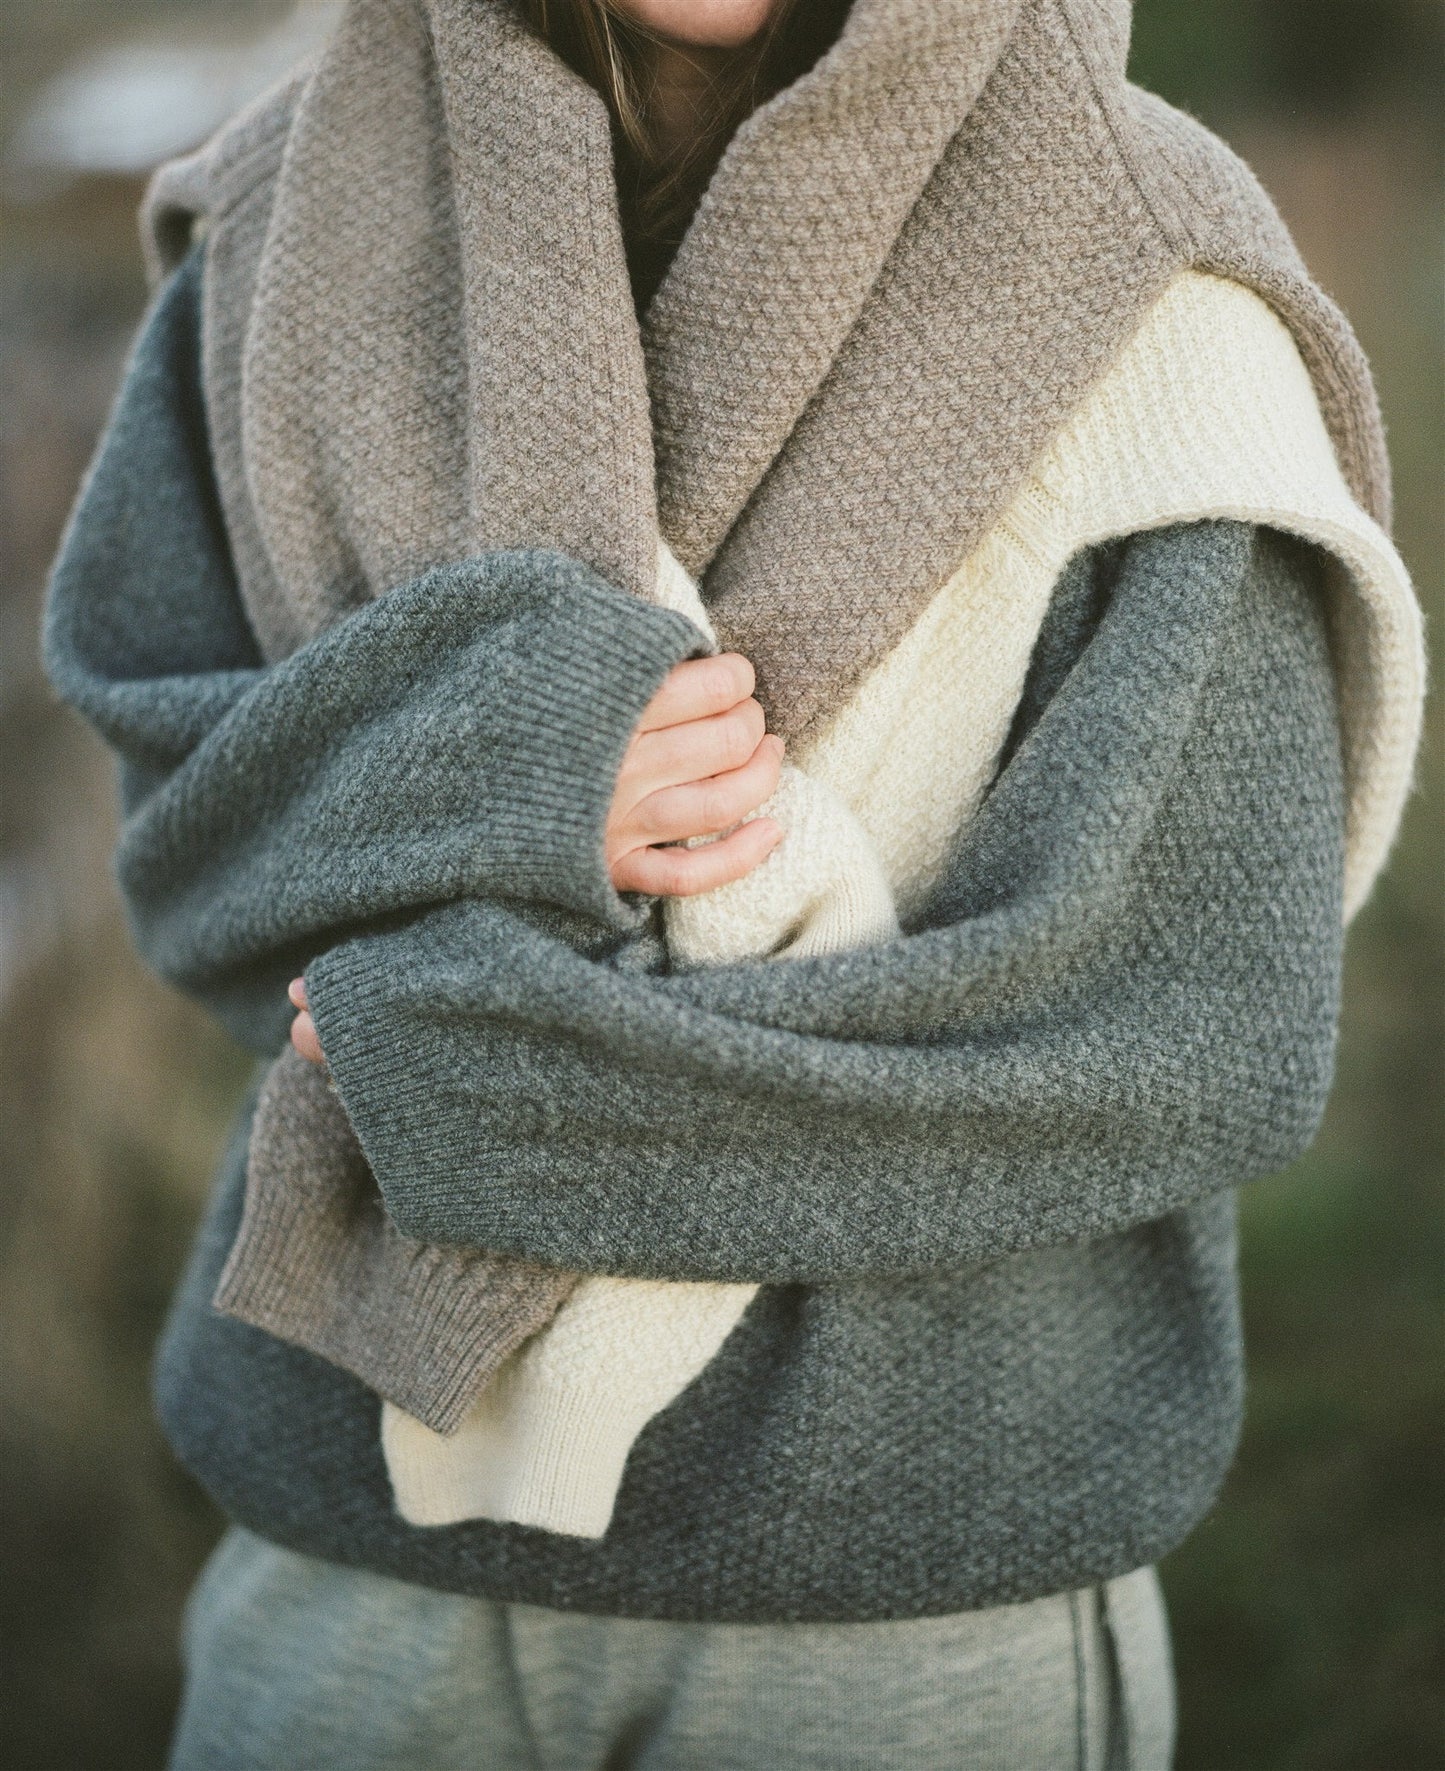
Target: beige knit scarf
<point>908,271</point>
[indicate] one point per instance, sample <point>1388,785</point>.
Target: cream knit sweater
<point>1209,413</point>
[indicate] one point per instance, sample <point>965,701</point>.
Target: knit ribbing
<point>318,1262</point>
<point>547,1442</point>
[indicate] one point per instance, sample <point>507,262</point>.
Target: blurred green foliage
<point>1307,1610</point>
<point>1275,55</point>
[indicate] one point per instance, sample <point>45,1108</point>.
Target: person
<point>763,630</point>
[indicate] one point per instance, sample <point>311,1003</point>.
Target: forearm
<point>458,736</point>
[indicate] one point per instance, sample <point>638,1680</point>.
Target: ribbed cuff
<point>569,1454</point>
<point>453,1324</point>
<point>571,719</point>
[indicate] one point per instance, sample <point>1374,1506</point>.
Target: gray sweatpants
<point>300,1665</point>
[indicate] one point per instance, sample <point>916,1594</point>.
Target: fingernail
<point>296,993</point>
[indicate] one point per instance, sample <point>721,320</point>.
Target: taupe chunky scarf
<point>908,270</point>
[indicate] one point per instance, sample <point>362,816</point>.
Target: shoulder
<point>1202,191</point>
<point>188,195</point>
<point>1219,217</point>
<point>1208,411</point>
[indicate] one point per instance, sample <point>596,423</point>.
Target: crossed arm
<point>1122,996</point>
<point>697,764</point>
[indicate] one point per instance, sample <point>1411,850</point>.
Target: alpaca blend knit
<point>909,270</point>
<point>985,1167</point>
<point>933,326</point>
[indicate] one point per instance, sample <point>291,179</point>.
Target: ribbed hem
<point>276,1258</point>
<point>304,1274</point>
<point>538,1455</point>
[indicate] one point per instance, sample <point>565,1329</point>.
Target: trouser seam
<point>1081,1685</point>
<point>518,1684</point>
<point>1121,1721</point>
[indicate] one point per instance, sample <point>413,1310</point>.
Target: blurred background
<point>1307,1610</point>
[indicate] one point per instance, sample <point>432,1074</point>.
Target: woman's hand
<point>303,1028</point>
<point>698,762</point>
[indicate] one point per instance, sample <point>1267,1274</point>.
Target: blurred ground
<point>1307,1610</point>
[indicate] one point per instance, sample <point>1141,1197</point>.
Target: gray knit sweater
<point>986,1170</point>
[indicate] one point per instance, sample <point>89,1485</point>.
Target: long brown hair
<point>658,192</point>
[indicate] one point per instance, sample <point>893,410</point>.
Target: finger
<point>698,687</point>
<point>691,751</point>
<point>698,808</point>
<point>681,873</point>
<point>296,993</point>
<point>305,1039</point>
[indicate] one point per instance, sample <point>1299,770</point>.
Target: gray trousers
<point>294,1664</point>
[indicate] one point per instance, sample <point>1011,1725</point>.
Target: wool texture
<point>1208,413</point>
<point>907,271</point>
<point>909,268</point>
<point>859,456</point>
<point>319,1262</point>
<point>985,1169</point>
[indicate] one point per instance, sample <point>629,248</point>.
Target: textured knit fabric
<point>290,1661</point>
<point>1208,411</point>
<point>985,1166</point>
<point>909,269</point>
<point>425,1330</point>
<point>357,455</point>
<point>319,1262</point>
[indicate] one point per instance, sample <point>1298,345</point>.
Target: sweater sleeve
<point>458,736</point>
<point>1123,997</point>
